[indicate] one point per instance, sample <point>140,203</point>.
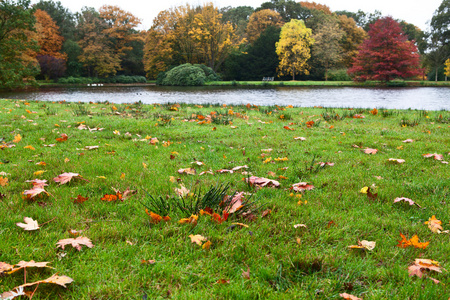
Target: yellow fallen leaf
<point>144,165</point>
<point>198,239</point>
<point>364,190</point>
<point>241,224</point>
<point>66,160</point>
<point>29,147</point>
<point>38,173</point>
<point>17,138</point>
<point>122,176</point>
<point>101,177</point>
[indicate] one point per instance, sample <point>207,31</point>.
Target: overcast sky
<point>416,12</point>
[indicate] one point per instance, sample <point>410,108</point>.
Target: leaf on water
<point>65,177</point>
<point>76,243</point>
<point>29,224</point>
<point>366,245</point>
<point>434,224</point>
<point>407,200</point>
<point>198,239</point>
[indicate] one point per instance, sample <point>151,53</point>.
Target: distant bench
<point>267,79</point>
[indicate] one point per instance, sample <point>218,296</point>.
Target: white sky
<point>416,12</point>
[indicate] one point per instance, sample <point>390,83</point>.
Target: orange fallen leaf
<point>309,124</point>
<point>266,213</point>
<point>76,243</point>
<point>206,245</point>
<point>222,281</point>
<point>29,147</point>
<point>414,241</point>
<point>288,128</point>
<point>434,224</point>
<point>112,197</point>
<point>191,220</point>
<point>17,138</point>
<point>3,181</point>
<point>80,199</point>
<point>63,138</point>
<point>29,264</point>
<point>55,279</point>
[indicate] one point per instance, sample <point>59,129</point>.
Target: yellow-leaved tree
<point>214,39</point>
<point>294,48</point>
<point>447,68</point>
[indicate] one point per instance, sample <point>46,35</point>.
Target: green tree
<point>440,24</point>
<point>288,9</point>
<point>327,48</point>
<point>238,17</point>
<point>16,47</point>
<point>293,48</point>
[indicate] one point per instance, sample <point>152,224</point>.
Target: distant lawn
<point>145,147</point>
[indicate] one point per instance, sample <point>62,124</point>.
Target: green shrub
<point>187,75</point>
<point>338,75</point>
<point>396,83</point>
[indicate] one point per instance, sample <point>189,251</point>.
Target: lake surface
<point>428,98</point>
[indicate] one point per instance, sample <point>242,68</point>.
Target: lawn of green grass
<point>133,258</point>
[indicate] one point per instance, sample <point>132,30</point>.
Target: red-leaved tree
<point>386,54</point>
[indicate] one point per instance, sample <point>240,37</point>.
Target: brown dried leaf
<point>189,171</point>
<point>246,274</point>
<point>4,267</point>
<point>301,187</point>
<point>29,224</point>
<point>55,279</point>
<point>349,296</point>
<point>262,182</point>
<point>65,177</point>
<point>77,242</point>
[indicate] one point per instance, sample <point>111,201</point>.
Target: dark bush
<point>187,75</point>
<point>338,75</point>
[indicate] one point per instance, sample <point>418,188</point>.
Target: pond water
<point>428,98</point>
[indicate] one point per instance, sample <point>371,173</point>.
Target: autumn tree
<point>97,56</point>
<point>293,48</point>
<point>49,56</point>
<point>313,5</point>
<point>327,48</point>
<point>352,39</point>
<point>63,18</point>
<point>260,20</point>
<point>214,40</point>
<point>16,43</point>
<point>238,17</point>
<point>386,54</point>
<point>168,41</point>
<point>121,28</point>
<point>447,69</point>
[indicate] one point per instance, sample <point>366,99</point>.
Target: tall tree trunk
<point>436,75</point>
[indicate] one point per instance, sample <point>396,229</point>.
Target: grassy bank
<point>142,147</point>
<point>332,83</point>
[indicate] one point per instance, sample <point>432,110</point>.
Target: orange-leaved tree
<point>260,20</point>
